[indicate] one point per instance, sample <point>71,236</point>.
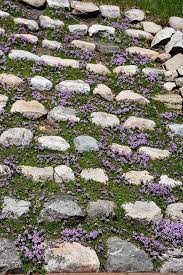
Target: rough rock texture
<point>139,123</point>
<point>16,136</point>
<point>37,174</point>
<point>124,256</point>
<point>135,15</point>
<point>110,11</point>
<point>174,63</point>
<point>32,25</point>
<point>103,91</point>
<point>73,86</point>
<point>63,173</point>
<point>54,143</point>
<point>10,81</point>
<point>71,257</point>
<point>138,177</point>
<point>13,208</point>
<point>121,150</point>
<point>83,45</point>
<point>129,70</point>
<point>154,153</point>
<point>177,129</point>
<point>24,55</point>
<point>63,114</point>
<point>96,174</point>
<point>165,180</point>
<point>104,119</point>
<point>173,265</point>
<point>83,8</point>
<point>86,144</point>
<point>139,34</point>
<point>100,208</point>
<point>60,208</point>
<point>51,44</point>
<point>151,27</point>
<point>174,211</point>
<point>98,69</point>
<point>101,30</point>
<point>176,23</point>
<point>143,52</point>
<point>129,95</point>
<point>58,3</point>
<point>47,22</point>
<point>41,83</point>
<point>162,37</point>
<point>31,109</point>
<point>79,29</point>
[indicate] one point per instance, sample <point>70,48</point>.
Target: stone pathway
<point>90,139</point>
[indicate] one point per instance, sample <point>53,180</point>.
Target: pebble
<point>94,174</point>
<point>54,143</point>
<point>138,177</point>
<point>103,91</point>
<point>129,95</point>
<point>47,22</point>
<point>104,119</point>
<point>142,211</point>
<point>139,123</point>
<point>63,114</point>
<point>32,25</point>
<point>85,144</point>
<point>30,109</point>
<point>154,153</point>
<point>13,208</point>
<point>101,29</point>
<point>73,86</point>
<point>16,136</point>
<point>41,83</point>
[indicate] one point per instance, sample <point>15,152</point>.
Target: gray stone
<point>139,123</point>
<point>16,136</point>
<point>9,257</point>
<point>170,75</point>
<point>51,44</point>
<point>110,11</point>
<point>95,174</point>
<point>154,153</point>
<point>174,63</point>
<point>73,86</point>
<point>60,208</point>
<point>34,3</point>
<point>165,180</point>
<point>47,22</point>
<point>100,208</point>
<point>83,8</point>
<point>24,55</point>
<point>135,15</point>
<point>63,114</point>
<point>30,109</point>
<point>32,25</point>
<point>176,23</point>
<point>78,29</point>
<point>173,265</point>
<point>175,45</point>
<point>101,30</point>
<point>143,212</point>
<point>106,48</point>
<point>124,256</point>
<point>4,14</point>
<point>54,143</point>
<point>3,102</point>
<point>37,174</point>
<point>174,211</point>
<point>63,173</point>
<point>58,4</point>
<point>41,83</point>
<point>70,257</point>
<point>139,34</point>
<point>153,71</point>
<point>86,144</point>
<point>14,208</point>
<point>177,129</point>
<point>104,119</point>
<point>162,37</point>
<point>151,27</point>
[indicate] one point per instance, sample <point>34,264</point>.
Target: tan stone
<point>104,91</point>
<point>154,153</point>
<point>83,45</point>
<point>29,108</point>
<point>121,150</point>
<point>98,69</point>
<point>139,123</point>
<point>10,81</point>
<point>143,52</point>
<point>129,95</point>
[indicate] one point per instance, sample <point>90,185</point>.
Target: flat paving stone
<point>41,83</point>
<point>143,212</point>
<point>85,144</point>
<point>54,143</point>
<point>98,69</point>
<point>73,86</point>
<point>37,174</point>
<point>129,95</point>
<point>13,208</point>
<point>32,25</point>
<point>103,91</point>
<point>101,30</point>
<point>110,11</point>
<point>63,114</point>
<point>63,173</point>
<point>61,208</point>
<point>30,109</point>
<point>16,136</point>
<point>154,153</point>
<point>47,22</point>
<point>174,211</point>
<point>94,174</point>
<point>139,123</point>
<point>100,208</point>
<point>104,119</point>
<point>138,177</point>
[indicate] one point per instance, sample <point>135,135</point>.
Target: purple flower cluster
<point>78,234</point>
<point>30,246</point>
<point>156,189</point>
<point>151,245</point>
<point>136,140</point>
<point>126,57</point>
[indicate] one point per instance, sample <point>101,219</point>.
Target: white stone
<point>170,75</point>
<point>174,211</point>
<point>4,14</point>
<point>180,70</point>
<point>143,212</point>
<point>24,55</point>
<point>51,44</point>
<point>85,143</point>
<point>35,3</point>
<point>169,86</point>
<point>41,83</point>
<point>95,174</point>
<point>29,108</point>
<point>135,15</point>
<point>78,29</point>
<point>71,257</point>
<point>174,63</point>
<point>14,208</point>
<point>110,11</point>
<point>2,31</point>
<point>121,150</point>
<point>73,86</point>
<point>83,45</point>
<point>104,119</point>
<point>54,61</point>
<point>63,173</point>
<point>151,27</point>
<point>58,3</point>
<point>103,91</point>
<point>143,52</point>
<point>47,22</point>
<point>153,71</point>
<point>172,44</point>
<point>10,81</point>
<point>165,180</point>
<point>176,23</point>
<point>60,113</point>
<point>82,8</point>
<point>32,25</point>
<point>169,98</point>
<point>126,69</point>
<point>162,37</point>
<point>37,174</point>
<point>98,69</point>
<point>4,169</point>
<point>101,29</point>
<point>177,129</point>
<point>139,34</point>
<point>54,143</point>
<point>140,123</point>
<point>138,177</point>
<point>16,136</point>
<point>3,102</point>
<point>129,95</point>
<point>154,153</point>
<point>27,37</point>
